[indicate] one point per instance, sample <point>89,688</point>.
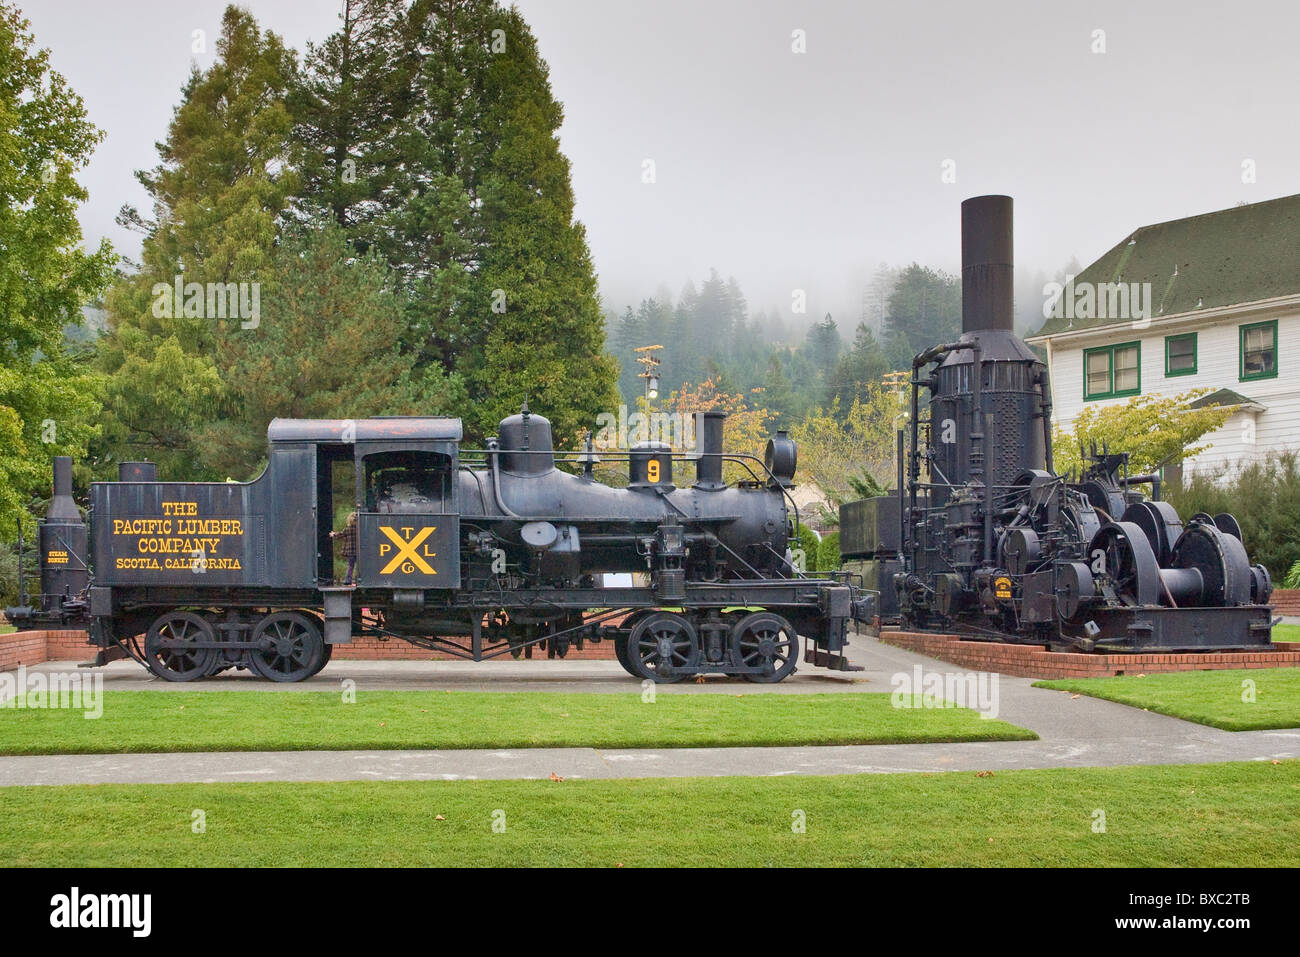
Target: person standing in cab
<point>348,542</point>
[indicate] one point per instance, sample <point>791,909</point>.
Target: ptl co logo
<point>412,550</point>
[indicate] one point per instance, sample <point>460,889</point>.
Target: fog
<point>806,170</point>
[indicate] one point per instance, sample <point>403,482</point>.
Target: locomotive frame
<point>497,553</point>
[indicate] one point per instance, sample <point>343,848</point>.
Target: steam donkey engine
<point>982,536</point>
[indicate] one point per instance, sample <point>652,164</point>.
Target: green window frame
<point>1108,370</point>
<point>1175,347</point>
<point>1256,359</point>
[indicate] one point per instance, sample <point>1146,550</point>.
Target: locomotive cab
<point>408,525</point>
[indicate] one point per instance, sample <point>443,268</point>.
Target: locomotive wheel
<point>295,647</point>
<point>661,641</point>
<point>178,662</point>
<point>620,652</point>
<point>622,639</point>
<point>766,641</point>
<point>326,655</point>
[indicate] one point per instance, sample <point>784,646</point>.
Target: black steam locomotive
<point>982,537</point>
<point>498,554</point>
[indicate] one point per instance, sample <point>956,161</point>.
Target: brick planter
<point>1035,661</point>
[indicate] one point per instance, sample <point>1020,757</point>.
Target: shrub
<point>828,554</point>
<point>1264,497</point>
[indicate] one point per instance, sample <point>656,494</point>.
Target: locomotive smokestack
<point>986,264</point>
<point>708,435</point>
<point>62,507</point>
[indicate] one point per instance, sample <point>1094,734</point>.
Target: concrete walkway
<point>1074,732</point>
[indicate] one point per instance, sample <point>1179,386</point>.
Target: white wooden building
<point>1209,301</point>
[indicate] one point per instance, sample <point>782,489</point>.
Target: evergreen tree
<point>355,90</point>
<point>548,343</point>
<point>778,394</point>
<point>924,308</point>
<point>858,369</point>
<point>499,282</point>
<point>327,347</point>
<point>823,346</point>
<point>217,195</point>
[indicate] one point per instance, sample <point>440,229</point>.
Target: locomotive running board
<point>829,659</point>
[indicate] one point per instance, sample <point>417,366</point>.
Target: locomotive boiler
<point>477,553</point>
<point>981,536</point>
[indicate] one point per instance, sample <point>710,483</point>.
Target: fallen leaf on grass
<point>984,774</point>
<point>439,817</point>
<point>556,777</point>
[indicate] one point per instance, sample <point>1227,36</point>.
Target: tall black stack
<point>63,543</point>
<point>1008,386</point>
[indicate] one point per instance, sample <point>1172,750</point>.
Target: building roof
<point>391,428</point>
<point>1226,397</point>
<point>1224,258</point>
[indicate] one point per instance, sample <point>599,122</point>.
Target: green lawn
<point>1206,697</point>
<point>1286,632</point>
<point>135,721</point>
<point>1180,816</point>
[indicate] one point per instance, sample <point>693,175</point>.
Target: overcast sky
<point>805,170</point>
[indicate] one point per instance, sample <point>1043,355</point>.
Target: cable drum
<point>1221,559</point>
<point>1161,524</point>
<point>1122,551</point>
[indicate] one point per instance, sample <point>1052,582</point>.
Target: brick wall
<point>1286,601</point>
<point>21,648</point>
<point>1035,661</point>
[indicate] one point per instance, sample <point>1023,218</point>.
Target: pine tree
<point>858,369</point>
<point>354,92</point>
<point>924,308</point>
<point>217,197</point>
<point>823,346</point>
<point>327,347</point>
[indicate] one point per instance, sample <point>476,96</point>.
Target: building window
<point>1112,371</point>
<point>1259,351</point>
<point>1180,354</point>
